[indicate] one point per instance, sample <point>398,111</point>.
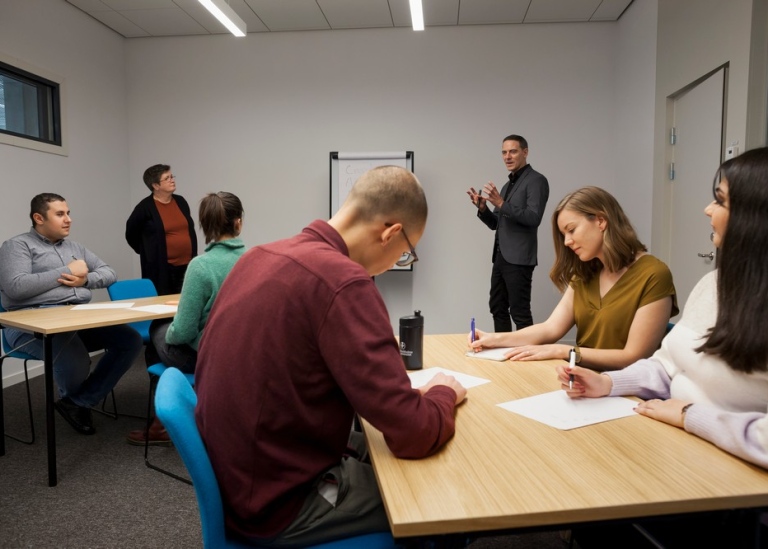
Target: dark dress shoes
<point>158,436</point>
<point>77,416</point>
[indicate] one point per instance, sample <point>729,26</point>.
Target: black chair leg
<point>152,386</point>
<point>31,418</point>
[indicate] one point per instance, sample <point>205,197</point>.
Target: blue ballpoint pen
<point>472,329</point>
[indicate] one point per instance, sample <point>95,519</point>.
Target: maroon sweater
<point>297,341</point>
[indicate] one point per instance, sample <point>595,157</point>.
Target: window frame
<point>56,118</point>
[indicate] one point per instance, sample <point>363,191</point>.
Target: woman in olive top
<point>176,341</point>
<point>162,232</point>
<point>619,297</point>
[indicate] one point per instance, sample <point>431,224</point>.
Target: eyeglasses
<point>408,258</point>
<point>171,176</point>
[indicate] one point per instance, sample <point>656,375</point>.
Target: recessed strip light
<point>226,16</point>
<point>417,15</point>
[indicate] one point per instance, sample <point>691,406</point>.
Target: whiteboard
<point>347,167</point>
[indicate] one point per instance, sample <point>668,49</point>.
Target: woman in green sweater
<point>176,341</point>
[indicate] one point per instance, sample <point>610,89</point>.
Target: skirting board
<point>34,368</point>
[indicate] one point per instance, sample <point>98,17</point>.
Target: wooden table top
<point>54,320</point>
<point>504,471</point>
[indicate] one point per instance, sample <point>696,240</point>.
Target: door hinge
<point>672,171</point>
<point>672,136</point>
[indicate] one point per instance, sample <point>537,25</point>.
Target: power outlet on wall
<point>731,151</point>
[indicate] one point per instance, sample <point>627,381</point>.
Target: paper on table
<point>490,354</point>
<point>558,410</point>
<point>419,378</point>
<point>105,305</point>
<point>159,309</point>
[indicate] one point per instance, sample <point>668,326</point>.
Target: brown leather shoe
<point>158,436</point>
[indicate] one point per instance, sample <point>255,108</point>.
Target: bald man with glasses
<point>297,342</point>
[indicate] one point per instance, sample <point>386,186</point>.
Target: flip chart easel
<point>347,167</point>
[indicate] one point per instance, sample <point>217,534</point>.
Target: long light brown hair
<point>620,242</point>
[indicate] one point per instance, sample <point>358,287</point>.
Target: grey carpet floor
<point>106,496</point>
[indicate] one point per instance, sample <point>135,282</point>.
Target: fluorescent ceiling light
<point>226,15</point>
<point>417,15</point>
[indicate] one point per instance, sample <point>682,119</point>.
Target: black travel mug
<point>412,340</point>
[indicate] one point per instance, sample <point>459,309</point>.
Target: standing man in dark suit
<point>516,215</point>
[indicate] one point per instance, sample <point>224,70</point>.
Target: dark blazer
<point>145,233</point>
<point>517,221</point>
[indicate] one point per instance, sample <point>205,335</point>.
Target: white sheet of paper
<point>105,305</point>
<point>490,354</point>
<point>159,309</point>
<point>419,378</point>
<point>558,410</point>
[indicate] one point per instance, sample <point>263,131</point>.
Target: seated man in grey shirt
<point>43,269</point>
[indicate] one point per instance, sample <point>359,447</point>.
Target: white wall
<point>259,116</point>
<point>694,38</point>
<point>60,39</point>
<point>635,86</point>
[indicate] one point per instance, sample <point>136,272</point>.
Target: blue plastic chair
<point>175,403</point>
<point>7,352</point>
<point>133,289</point>
<point>155,372</point>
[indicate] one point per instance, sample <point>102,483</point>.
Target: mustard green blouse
<point>604,323</point>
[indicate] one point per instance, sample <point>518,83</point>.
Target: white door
<point>697,153</point>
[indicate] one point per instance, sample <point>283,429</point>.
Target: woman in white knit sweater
<point>710,376</point>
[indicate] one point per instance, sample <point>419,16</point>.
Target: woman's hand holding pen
<point>481,340</point>
<point>586,382</point>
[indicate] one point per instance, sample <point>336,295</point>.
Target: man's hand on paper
<point>448,381</point>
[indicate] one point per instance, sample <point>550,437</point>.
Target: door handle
<point>710,255</point>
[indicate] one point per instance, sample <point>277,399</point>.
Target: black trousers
<point>510,295</point>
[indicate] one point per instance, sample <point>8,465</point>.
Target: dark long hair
<point>739,336</point>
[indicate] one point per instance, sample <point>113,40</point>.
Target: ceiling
<point>139,18</point>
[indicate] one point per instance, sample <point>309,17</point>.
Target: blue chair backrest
<point>132,289</point>
<point>175,402</point>
<point>5,346</point>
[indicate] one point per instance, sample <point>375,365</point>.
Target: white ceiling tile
<point>610,10</point>
<point>197,12</point>
<point>542,11</point>
<point>183,17</point>
<point>90,5</point>
<point>479,12</point>
<point>401,12</point>
<point>299,15</point>
<point>349,14</point>
<point>165,22</point>
<point>120,24</point>
<point>246,13</point>
<point>436,12</point>
<point>124,5</point>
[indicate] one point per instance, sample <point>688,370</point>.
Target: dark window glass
<point>29,106</point>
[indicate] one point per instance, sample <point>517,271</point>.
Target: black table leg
<point>50,423</point>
